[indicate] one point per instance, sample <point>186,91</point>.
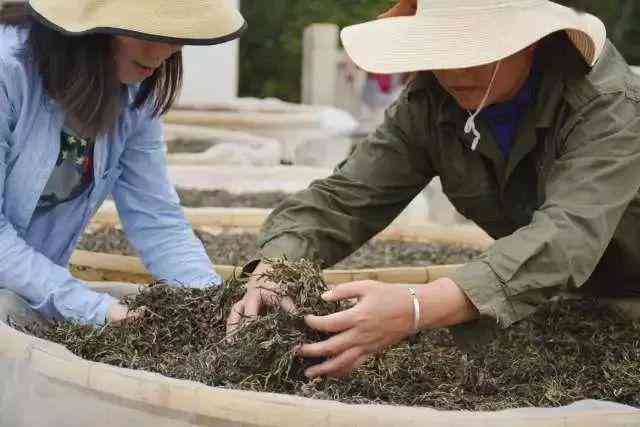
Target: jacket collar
<point>558,61</point>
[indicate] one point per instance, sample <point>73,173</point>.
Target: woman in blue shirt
<point>82,86</point>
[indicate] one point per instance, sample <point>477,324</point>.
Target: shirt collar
<point>554,65</point>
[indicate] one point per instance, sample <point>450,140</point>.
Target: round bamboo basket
<point>72,392</point>
<point>41,374</point>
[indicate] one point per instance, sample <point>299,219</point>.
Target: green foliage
<point>622,18</point>
<point>271,51</point>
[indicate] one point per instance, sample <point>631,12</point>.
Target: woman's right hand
<point>260,292</point>
<point>118,313</point>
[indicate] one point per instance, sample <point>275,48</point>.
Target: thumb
<point>119,312</point>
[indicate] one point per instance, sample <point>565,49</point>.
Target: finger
<point>341,365</point>
<point>337,344</point>
<point>347,291</point>
<point>117,313</point>
<point>252,304</point>
<point>333,323</point>
<point>350,368</point>
<point>288,305</point>
<point>235,317</point>
<point>136,314</point>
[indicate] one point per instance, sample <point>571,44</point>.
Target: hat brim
<point>435,41</point>
<point>223,27</point>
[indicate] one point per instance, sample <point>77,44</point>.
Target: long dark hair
<point>79,73</point>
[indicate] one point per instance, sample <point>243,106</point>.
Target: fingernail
<point>326,295</point>
<point>308,373</point>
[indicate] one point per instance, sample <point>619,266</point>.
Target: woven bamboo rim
<point>98,267</point>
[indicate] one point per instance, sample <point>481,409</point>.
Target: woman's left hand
<point>383,316</point>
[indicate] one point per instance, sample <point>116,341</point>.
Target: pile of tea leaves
<point>239,248</point>
<point>568,351</point>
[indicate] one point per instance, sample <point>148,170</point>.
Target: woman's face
<point>138,59</point>
<point>469,85</point>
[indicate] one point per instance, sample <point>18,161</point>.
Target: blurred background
<point>262,117</point>
<point>292,53</point>
<point>272,50</point>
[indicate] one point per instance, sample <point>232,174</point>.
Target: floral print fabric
<point>73,173</point>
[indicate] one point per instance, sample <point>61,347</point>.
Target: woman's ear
<point>403,8</point>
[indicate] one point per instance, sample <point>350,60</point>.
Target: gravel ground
<point>236,249</point>
<point>222,198</point>
<point>190,146</point>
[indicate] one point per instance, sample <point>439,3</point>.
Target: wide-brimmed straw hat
<point>188,22</point>
<point>447,34</point>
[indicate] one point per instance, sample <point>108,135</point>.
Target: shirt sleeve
<point>47,287</point>
<point>336,215</point>
<point>588,189</point>
<point>151,214</point>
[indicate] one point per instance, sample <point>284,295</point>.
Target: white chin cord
<point>470,126</point>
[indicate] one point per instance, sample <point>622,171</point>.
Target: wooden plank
<point>234,120</point>
<point>249,218</point>
<point>97,267</point>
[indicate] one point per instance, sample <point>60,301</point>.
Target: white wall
<point>211,72</point>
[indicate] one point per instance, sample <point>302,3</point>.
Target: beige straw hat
<point>446,34</point>
<point>189,22</point>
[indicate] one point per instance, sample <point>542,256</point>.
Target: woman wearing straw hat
<point>82,85</point>
<point>530,118</point>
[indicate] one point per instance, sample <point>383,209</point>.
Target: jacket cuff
<point>101,313</point>
<point>285,245</point>
<point>250,267</point>
<point>489,294</point>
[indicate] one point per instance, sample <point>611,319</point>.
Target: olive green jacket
<point>564,209</point>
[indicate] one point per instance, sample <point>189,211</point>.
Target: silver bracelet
<point>416,309</point>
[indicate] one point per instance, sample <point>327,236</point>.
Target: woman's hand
<point>260,292</point>
<point>118,313</point>
<point>383,316</point>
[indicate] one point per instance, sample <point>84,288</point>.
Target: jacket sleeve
<point>588,190</point>
<point>336,215</point>
<point>46,286</point>
<point>151,215</point>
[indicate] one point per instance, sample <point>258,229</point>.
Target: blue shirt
<point>129,162</point>
<point>504,118</point>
